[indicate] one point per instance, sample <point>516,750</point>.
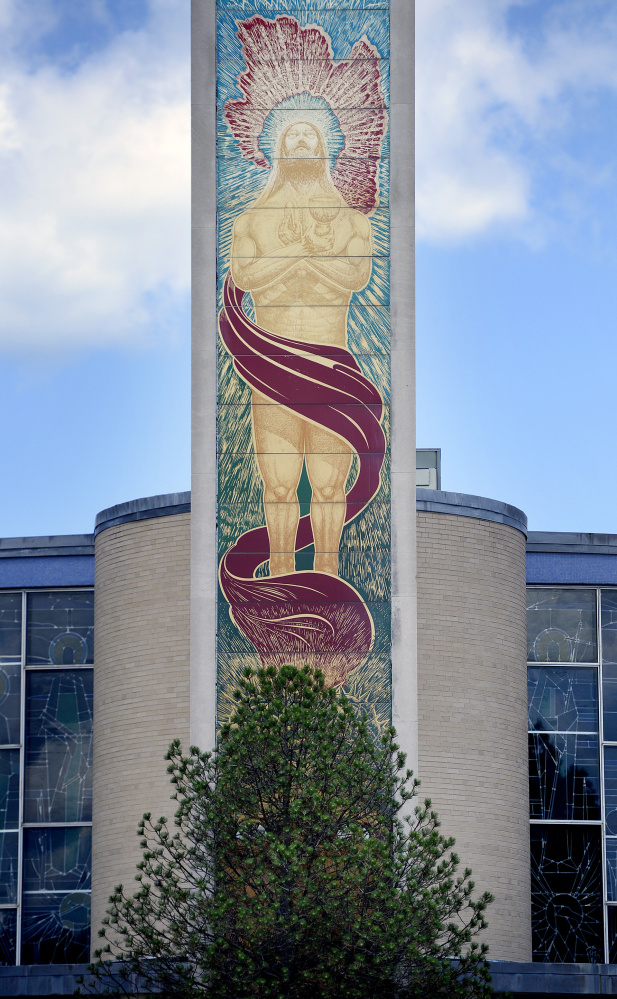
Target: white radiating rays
<point>289,68</point>
<point>302,107</point>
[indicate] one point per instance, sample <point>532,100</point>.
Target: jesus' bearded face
<point>301,140</point>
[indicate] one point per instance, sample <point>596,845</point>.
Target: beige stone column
<point>141,685</point>
<point>472,706</point>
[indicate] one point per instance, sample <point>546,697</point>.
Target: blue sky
<point>516,255</point>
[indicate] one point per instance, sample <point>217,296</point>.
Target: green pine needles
<point>290,872</point>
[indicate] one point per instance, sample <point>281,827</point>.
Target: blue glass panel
<point>60,627</point>
<point>9,789</point>
<point>57,859</point>
<point>612,934</point>
<point>611,869</point>
<point>608,619</point>
<point>9,847</point>
<point>55,928</point>
<point>8,935</point>
<point>562,699</point>
<point>566,894</point>
<point>609,702</point>
<point>10,627</point>
<point>610,790</point>
<point>10,700</point>
<point>58,778</point>
<point>564,776</point>
<point>561,625</point>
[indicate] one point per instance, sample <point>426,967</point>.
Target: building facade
<point>299,542</point>
<point>516,707</point>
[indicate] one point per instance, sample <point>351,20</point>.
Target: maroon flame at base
<point>303,617</point>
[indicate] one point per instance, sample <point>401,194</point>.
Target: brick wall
<point>141,687</point>
<point>472,704</point>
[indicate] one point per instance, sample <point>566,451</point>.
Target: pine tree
<point>291,872</point>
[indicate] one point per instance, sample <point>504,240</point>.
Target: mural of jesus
<point>301,252</point>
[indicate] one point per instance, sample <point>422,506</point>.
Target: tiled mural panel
<point>304,350</point>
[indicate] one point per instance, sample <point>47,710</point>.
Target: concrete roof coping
<point>477,507</point>
<point>166,505</point>
<point>573,543</point>
<point>47,545</point>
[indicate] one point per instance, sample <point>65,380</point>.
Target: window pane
<point>9,789</point>
<point>10,627</point>
<point>611,869</point>
<point>610,790</point>
<point>8,934</point>
<point>566,894</point>
<point>57,859</point>
<point>608,618</point>
<point>9,846</point>
<point>609,702</point>
<point>10,699</point>
<point>561,626</point>
<point>60,628</point>
<point>58,778</point>
<point>562,699</point>
<point>56,928</point>
<point>612,934</point>
<point>564,776</point>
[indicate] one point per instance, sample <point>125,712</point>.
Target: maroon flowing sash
<point>306,616</point>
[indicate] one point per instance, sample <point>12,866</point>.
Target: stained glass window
<point>10,702</point>
<point>9,789</point>
<point>561,625</point>
<point>611,868</point>
<point>562,699</point>
<point>566,891</point>
<point>608,618</point>
<point>612,934</point>
<point>609,702</point>
<point>610,790</point>
<point>58,770</point>
<point>52,904</point>
<point>564,776</point>
<point>8,935</point>
<point>60,627</point>
<point>57,859</point>
<point>10,628</point>
<point>56,900</point>
<point>55,928</point>
<point>9,852</point>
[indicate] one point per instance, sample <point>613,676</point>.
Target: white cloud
<point>94,187</point>
<point>495,106</point>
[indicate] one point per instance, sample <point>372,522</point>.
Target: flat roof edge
<point>570,542</point>
<point>146,508</point>
<point>476,507</point>
<point>47,545</point>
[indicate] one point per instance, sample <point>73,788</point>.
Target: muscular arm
<point>350,267</point>
<point>251,272</point>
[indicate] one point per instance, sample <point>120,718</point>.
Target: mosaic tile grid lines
<point>304,375</point>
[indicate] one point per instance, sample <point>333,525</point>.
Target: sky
<point>516,255</point>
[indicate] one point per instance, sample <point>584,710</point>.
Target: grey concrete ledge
<point>41,980</point>
<point>508,976</point>
<point>572,543</point>
<point>147,508</point>
<point>54,544</point>
<point>554,979</point>
<point>478,507</point>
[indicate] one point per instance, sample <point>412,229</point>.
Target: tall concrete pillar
<point>472,698</point>
<point>141,677</point>
<point>310,361</point>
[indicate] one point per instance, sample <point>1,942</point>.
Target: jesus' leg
<point>328,461</point>
<point>279,448</point>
